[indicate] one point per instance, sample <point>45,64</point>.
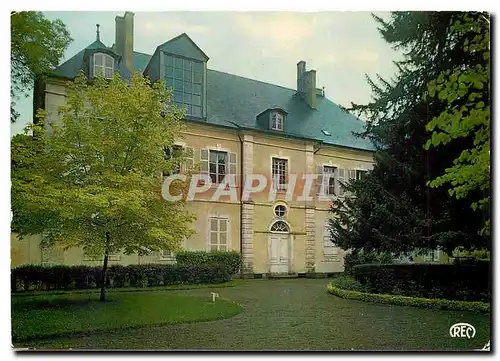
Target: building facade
<point>241,127</point>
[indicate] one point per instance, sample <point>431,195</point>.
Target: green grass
<point>133,289</point>
<point>291,314</point>
<point>44,316</point>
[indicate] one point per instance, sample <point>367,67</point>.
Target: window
<point>218,234</point>
<point>176,151</point>
<point>186,78</point>
<point>279,169</point>
<point>166,254</point>
<point>280,226</point>
<point>360,174</point>
<point>103,65</point>
<point>329,174</point>
<point>217,164</point>
<point>329,248</point>
<point>432,256</point>
<point>280,210</point>
<point>276,120</point>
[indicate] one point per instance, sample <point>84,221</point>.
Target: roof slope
<point>234,99</point>
<point>240,100</point>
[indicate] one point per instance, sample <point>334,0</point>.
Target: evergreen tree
<point>392,208</point>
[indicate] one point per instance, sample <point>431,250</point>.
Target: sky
<point>341,46</point>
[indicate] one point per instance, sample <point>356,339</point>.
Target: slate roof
<point>234,101</point>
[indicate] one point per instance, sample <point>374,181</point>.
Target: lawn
<point>51,315</point>
<point>295,314</point>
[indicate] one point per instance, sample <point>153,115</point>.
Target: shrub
<point>365,257</point>
<point>346,283</point>
<point>231,259</point>
<point>435,303</point>
<point>34,277</point>
<point>465,282</point>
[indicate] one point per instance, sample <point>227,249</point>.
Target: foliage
<point>346,283</point>
<point>94,180</point>
<point>478,254</point>
<point>231,259</point>
<point>467,282</point>
<point>436,303</point>
<point>62,277</point>
<point>392,208</point>
<point>44,316</point>
<point>356,257</point>
<point>466,91</point>
<point>37,45</point>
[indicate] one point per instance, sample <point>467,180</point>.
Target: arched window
<point>280,226</point>
<point>280,210</point>
<point>103,65</point>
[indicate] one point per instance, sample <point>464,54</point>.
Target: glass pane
<point>188,75</point>
<point>213,156</point>
<point>169,60</point>
<point>178,73</point>
<point>188,64</point>
<point>177,96</point>
<point>109,61</point>
<point>98,70</point>
<point>98,59</point>
<point>222,225</point>
<point>213,168</point>
<point>178,84</point>
<point>197,77</point>
<point>188,87</point>
<point>222,248</point>
<point>197,89</point>
<point>196,100</point>
<point>213,224</point>
<point>223,238</point>
<point>222,157</point>
<point>213,237</point>
<point>220,179</point>
<point>232,168</point>
<point>178,63</point>
<point>198,66</point>
<point>170,81</point>
<point>108,73</point>
<point>232,157</point>
<point>169,71</point>
<point>213,248</point>
<point>189,109</point>
<point>222,169</point>
<point>187,98</point>
<point>196,111</point>
<point>178,104</point>
<point>213,177</point>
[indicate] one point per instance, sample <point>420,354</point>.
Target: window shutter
<point>352,176</point>
<point>189,158</point>
<point>204,154</point>
<point>319,180</point>
<point>232,168</point>
<point>341,180</point>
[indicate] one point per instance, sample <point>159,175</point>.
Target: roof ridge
<point>255,80</point>
<point>140,52</point>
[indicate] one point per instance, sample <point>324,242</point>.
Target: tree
<point>37,46</point>
<point>392,208</point>
<point>94,176</point>
<point>466,91</point>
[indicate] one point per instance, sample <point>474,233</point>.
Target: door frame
<point>289,243</point>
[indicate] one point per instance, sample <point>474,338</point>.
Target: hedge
<point>231,259</point>
<point>462,282</point>
<point>36,277</point>
<point>355,258</point>
<point>436,303</point>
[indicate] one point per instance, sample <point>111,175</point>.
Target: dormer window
<point>103,65</point>
<point>277,120</point>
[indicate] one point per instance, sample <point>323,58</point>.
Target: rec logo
<point>462,330</point>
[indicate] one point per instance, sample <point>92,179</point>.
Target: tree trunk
<point>104,271</point>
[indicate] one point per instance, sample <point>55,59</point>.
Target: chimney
<point>124,38</point>
<point>306,84</point>
<point>301,69</point>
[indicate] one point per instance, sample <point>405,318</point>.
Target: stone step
<point>283,275</point>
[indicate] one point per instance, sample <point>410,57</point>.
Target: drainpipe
<point>241,193</point>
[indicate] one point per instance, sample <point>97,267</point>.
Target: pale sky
<point>341,46</point>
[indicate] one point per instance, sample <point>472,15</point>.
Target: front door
<point>279,253</point>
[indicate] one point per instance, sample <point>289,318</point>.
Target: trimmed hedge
<point>355,258</point>
<point>231,259</point>
<point>35,277</point>
<point>462,282</point>
<point>436,303</point>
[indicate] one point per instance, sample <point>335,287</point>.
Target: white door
<point>279,253</point>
